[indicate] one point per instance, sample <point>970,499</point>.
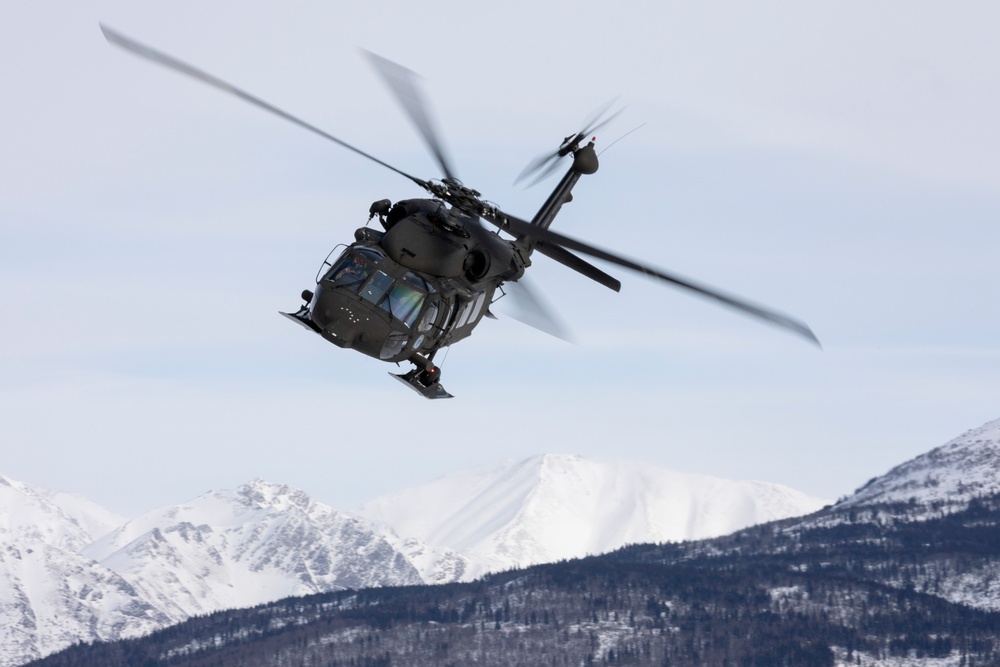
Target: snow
<point>868,660</point>
<point>552,507</point>
<point>50,594</point>
<point>33,515</point>
<point>239,548</point>
<point>951,474</point>
<point>67,576</point>
<point>72,571</point>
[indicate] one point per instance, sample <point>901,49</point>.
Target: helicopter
<point>426,280</point>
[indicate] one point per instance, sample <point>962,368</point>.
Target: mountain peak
<point>954,473</point>
<point>560,459</point>
<point>553,506</point>
<point>261,494</point>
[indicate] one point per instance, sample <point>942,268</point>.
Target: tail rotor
<point>543,165</point>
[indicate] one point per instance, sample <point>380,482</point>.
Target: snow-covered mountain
<point>67,574</point>
<point>58,519</point>
<point>71,571</point>
<point>50,594</point>
<point>951,474</point>
<point>941,482</point>
<point>552,507</point>
<point>239,548</point>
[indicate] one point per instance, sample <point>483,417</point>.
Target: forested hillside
<point>854,585</point>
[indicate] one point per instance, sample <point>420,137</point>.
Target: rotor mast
<point>584,162</point>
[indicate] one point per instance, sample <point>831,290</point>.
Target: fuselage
<point>423,284</point>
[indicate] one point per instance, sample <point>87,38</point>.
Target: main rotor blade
<point>518,226</point>
<point>527,307</point>
<point>149,53</point>
<point>568,259</point>
<point>403,83</point>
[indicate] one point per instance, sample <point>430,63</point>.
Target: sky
<point>836,161</point>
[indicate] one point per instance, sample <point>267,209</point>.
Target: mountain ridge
<point>554,506</point>
<point>952,474</point>
<point>259,542</point>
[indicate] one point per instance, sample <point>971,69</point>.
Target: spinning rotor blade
<point>594,122</point>
<point>528,308</point>
<point>403,83</point>
<point>518,226</point>
<point>549,162</point>
<point>566,258</point>
<point>138,49</point>
<point>539,167</point>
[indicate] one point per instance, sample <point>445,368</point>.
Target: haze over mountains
<point>71,571</point>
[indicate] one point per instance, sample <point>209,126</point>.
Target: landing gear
<point>425,379</point>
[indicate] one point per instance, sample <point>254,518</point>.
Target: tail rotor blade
<point>537,164</point>
<point>546,163</point>
<point>541,175</point>
<point>595,122</point>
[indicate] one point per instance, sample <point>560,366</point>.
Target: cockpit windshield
<point>354,268</point>
<point>402,298</point>
<point>406,298</point>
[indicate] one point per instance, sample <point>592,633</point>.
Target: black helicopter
<point>428,279</point>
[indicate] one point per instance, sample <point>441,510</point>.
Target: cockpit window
<point>354,268</point>
<point>416,281</point>
<point>406,298</point>
<point>376,287</point>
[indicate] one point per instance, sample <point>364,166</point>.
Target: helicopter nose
<point>348,322</point>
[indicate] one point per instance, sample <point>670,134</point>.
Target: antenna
<point>620,138</point>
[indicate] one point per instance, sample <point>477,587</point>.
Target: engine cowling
<point>422,236</point>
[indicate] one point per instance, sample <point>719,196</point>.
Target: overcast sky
<point>837,161</point>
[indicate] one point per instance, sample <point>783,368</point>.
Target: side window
<point>470,310</point>
<point>477,307</point>
<point>430,316</point>
<point>463,314</point>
